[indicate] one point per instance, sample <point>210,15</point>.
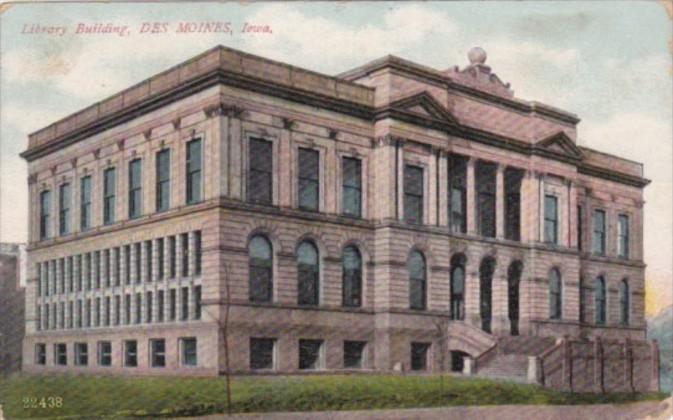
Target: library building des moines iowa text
<point>393,218</point>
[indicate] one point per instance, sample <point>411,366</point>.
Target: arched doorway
<point>486,270</point>
<point>513,282</point>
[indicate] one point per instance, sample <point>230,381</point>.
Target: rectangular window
<point>38,316</point>
<point>117,266</point>
<point>79,313</point>
<point>79,273</point>
<point>599,232</point>
<point>163,191</point>
<point>184,245</point>
<point>184,313</point>
<point>87,313</point>
<point>160,258</point>
<point>351,190</point>
<point>85,203</point>
<point>40,354</point>
<point>71,314</point>
<point>88,270</point>
<point>60,354</point>
<point>104,353</point>
<point>64,209</point>
<point>108,269</point>
<point>413,194</point>
<point>172,313</point>
<point>109,195</point>
<point>45,211</point>
<point>135,188</point>
<point>197,252</point>
<point>262,353</point>
<point>550,219</point>
<point>188,352</point>
<point>148,260</point>
<point>309,179</point>
<point>118,310</point>
<point>193,171</point>
<point>96,269</point>
<point>172,256</point>
<point>158,353</point>
<point>457,194</point>
<point>623,236</point>
<point>260,171</point>
<point>419,356</point>
<point>106,311</point>
<point>137,249</point>
<point>197,302</point>
<point>580,227</point>
<point>513,179</point>
<point>139,308</point>
<point>46,316</point>
<point>127,264</point>
<point>130,353</point>
<point>61,315</point>
<point>81,354</point>
<point>354,352</point>
<point>148,307</point>
<point>96,319</point>
<point>127,309</point>
<point>310,354</point>
<point>160,306</point>
<point>485,185</point>
<point>71,277</point>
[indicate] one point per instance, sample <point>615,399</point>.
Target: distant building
<point>12,303</point>
<point>395,217</point>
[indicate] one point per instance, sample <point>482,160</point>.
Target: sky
<point>608,62</point>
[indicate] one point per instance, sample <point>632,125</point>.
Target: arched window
<point>417,289</point>
<point>458,287</point>
<point>513,281</point>
<point>352,277</point>
<point>486,270</point>
<point>624,299</point>
<point>599,301</point>
<point>260,264</point>
<point>555,293</point>
<point>308,272</point>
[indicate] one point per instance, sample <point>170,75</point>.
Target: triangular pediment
<point>425,105</point>
<point>559,143</point>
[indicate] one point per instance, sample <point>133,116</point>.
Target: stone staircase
<point>509,358</point>
<point>513,367</point>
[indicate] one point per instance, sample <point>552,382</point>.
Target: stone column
<point>443,216</point>
<point>500,202</point>
<point>471,198</point>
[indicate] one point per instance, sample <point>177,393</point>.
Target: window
<point>85,203</point>
<point>262,353</point>
<point>71,277</point>
<point>260,266</point>
<point>45,211</point>
<point>458,287</point>
<point>309,180</point>
<point>308,274</point>
<point>555,294</point>
<point>550,219</point>
<point>108,269</point>
<point>260,173</point>
<point>413,194</point>
<point>172,313</point>
<point>513,204</point>
<point>158,353</point>
<point>127,263</point>
<point>160,258</point>
<point>513,282</point>
<point>81,354</point>
<point>197,252</point>
<point>197,302</point>
<point>79,313</point>
<point>486,269</point>
<point>163,187</point>
<point>351,190</point>
<point>38,315</point>
<point>109,195</point>
<point>184,245</point>
<point>171,258</point>
<point>127,309</point>
<point>40,354</point>
<point>416,268</point>
<point>310,354</point>
<point>188,354</point>
<point>148,307</point>
<point>136,265</point>
<point>130,353</point>
<point>139,307</point>
<point>354,352</point>
<point>582,299</point>
<point>148,260</point>
<point>96,319</point>
<point>485,185</point>
<point>580,228</point>
<point>599,232</point>
<point>96,269</point>
<point>184,294</point>
<point>193,171</point>
<point>60,354</point>
<point>624,298</point>
<point>117,313</point>
<point>599,301</point>
<point>352,277</point>
<point>623,236</point>
<point>87,313</point>
<point>64,209</point>
<point>71,315</point>
<point>419,356</point>
<point>104,353</point>
<point>160,305</point>
<point>135,188</point>
<point>457,194</point>
<point>88,268</point>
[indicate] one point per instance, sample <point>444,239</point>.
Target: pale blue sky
<point>606,61</point>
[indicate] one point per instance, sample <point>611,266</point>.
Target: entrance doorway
<point>458,361</point>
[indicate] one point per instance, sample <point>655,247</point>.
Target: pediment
<point>424,105</point>
<point>559,144</point>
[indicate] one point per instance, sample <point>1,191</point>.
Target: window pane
<point>260,163</point>
<point>413,194</point>
<point>352,277</point>
<point>308,179</point>
<point>352,188</point>
<point>260,269</point>
<point>261,353</point>
<point>310,354</point>
<point>194,170</point>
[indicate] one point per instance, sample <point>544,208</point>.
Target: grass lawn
<point>97,396</point>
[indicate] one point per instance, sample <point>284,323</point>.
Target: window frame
<point>85,220</point>
<point>457,185</point>
<point>600,301</point>
<point>135,189</point>
<point>193,196</point>
<point>157,357</point>
<point>182,341</point>
<point>109,195</point>
<point>413,200</point>
<point>308,275</point>
<point>351,187</point>
<point>599,236</point>
<point>352,279</point>
<point>103,355</point>
<point>551,221</point>
<point>555,294</point>
<point>253,170</point>
<point>624,302</point>
<point>307,180</point>
<point>252,348</point>
<point>81,357</point>
<point>130,357</point>
<point>64,225</point>
<point>418,282</point>
<point>255,265</point>
<point>162,187</point>
<point>45,214</point>
<point>623,236</point>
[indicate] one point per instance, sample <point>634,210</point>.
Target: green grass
<point>92,396</point>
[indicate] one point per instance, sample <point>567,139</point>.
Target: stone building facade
<point>12,300</point>
<point>394,217</point>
